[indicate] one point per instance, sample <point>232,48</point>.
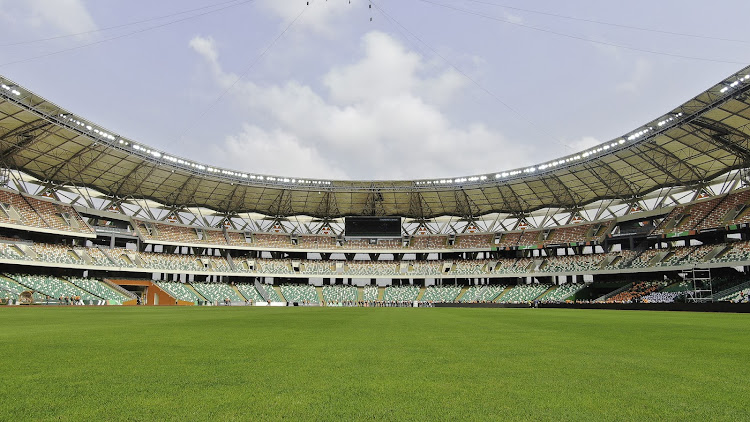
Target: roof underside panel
<point>712,137</point>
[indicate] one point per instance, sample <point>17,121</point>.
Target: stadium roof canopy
<point>700,140</point>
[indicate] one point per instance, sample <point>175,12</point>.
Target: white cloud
<point>274,152</point>
<point>68,16</point>
<point>378,119</point>
<point>318,15</point>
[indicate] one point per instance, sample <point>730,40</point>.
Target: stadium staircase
<point>711,211</point>
<point>463,291</point>
<point>360,293</point>
<point>105,253</point>
<point>546,292</point>
<point>237,291</point>
<point>640,249</point>
<point>730,291</point>
<point>716,252</point>
<point>261,290</point>
<point>612,293</point>
<point>277,289</point>
<point>41,217</point>
<point>118,288</point>
<point>83,256</point>
<point>27,251</point>
<point>319,292</point>
<point>381,292</point>
<point>192,289</point>
<point>230,261</point>
<point>421,293</point>
<point>506,290</point>
<point>609,261</point>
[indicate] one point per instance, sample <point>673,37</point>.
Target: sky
<point>378,89</point>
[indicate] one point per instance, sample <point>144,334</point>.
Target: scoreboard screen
<point>372,226</point>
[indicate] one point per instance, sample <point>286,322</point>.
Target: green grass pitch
<point>128,363</point>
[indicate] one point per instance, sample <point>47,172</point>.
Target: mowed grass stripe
<point>376,364</point>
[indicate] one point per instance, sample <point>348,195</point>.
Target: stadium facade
<point>662,209</point>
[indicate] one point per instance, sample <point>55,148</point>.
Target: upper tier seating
<point>474,241</point>
<point>316,242</point>
<point>272,240</point>
<point>424,267</point>
<point>643,259</point>
<point>731,210</point>
<point>686,217</point>
<point>468,267</point>
<point>738,252</point>
<point>531,238</point>
<point>429,242</point>
<point>318,267</point>
<point>59,254</point>
<point>675,256</point>
<point>40,214</point>
<point>508,240</point>
<point>172,262</point>
<point>9,251</point>
<point>518,267</point>
<point>373,244</point>
<point>372,268</point>
<point>273,266</point>
<point>122,257</point>
<point>59,217</point>
<point>574,263</point>
<point>570,234</point>
<point>180,234</point>
<point>239,238</point>
<point>98,257</point>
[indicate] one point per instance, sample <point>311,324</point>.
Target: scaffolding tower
<point>700,281</point>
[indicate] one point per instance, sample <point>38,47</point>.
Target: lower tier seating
<point>523,293</point>
<point>53,287</point>
<point>179,291</point>
<point>370,294</point>
<point>441,293</point>
<point>100,289</point>
<point>250,292</point>
<point>300,293</point>
<point>485,293</point>
<point>401,293</point>
<point>339,294</point>
<point>562,292</point>
<point>217,292</point>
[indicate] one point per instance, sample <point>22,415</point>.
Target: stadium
<point>136,283</point>
<point>656,215</point>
